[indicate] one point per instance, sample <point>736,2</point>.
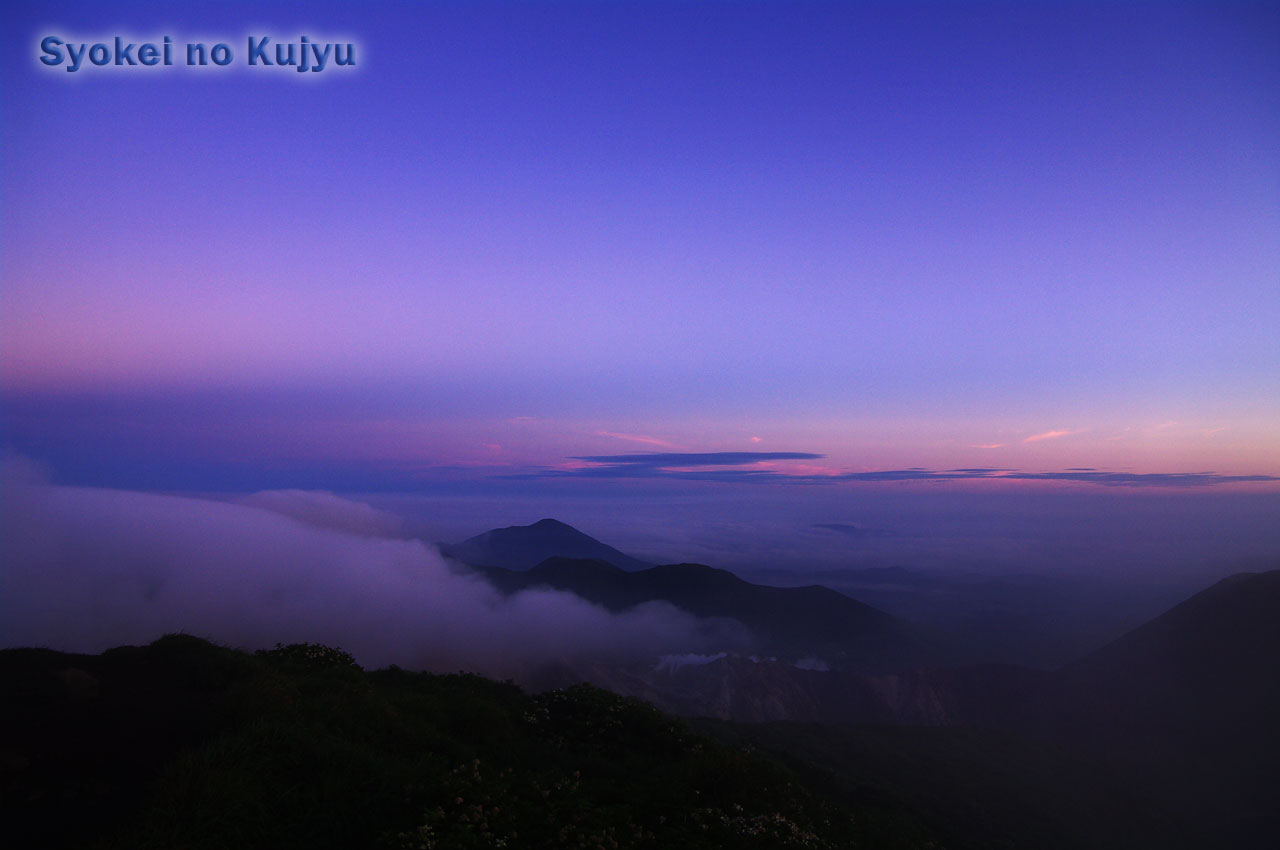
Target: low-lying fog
<point>87,569</point>
<point>1035,578</point>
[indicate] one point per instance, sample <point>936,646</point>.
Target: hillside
<point>1181,712</point>
<point>1189,701</point>
<point>981,789</point>
<point>793,621</point>
<point>186,744</point>
<point>1165,738</point>
<point>1212,657</point>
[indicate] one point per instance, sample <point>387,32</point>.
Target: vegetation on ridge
<point>183,743</point>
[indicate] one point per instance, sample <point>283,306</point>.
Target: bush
<point>310,655</point>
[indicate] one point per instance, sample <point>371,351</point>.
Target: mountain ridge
<point>797,621</point>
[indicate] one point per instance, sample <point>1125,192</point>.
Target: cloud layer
<point>88,569</point>
<point>706,466</point>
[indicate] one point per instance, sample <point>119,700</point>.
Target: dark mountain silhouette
<point>1188,703</point>
<point>1215,656</point>
<point>1164,738</point>
<point>981,789</point>
<point>521,547</point>
<point>1182,710</point>
<point>1184,706</point>
<point>183,743</point>
<point>1035,620</point>
<point>793,621</point>
<point>1204,676</point>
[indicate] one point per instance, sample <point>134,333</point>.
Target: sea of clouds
<point>86,569</point>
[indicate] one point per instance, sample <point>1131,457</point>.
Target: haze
<point>787,289</point>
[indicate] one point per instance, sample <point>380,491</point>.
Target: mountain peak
<point>522,547</point>
<point>549,523</point>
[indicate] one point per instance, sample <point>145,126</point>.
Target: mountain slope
<point>521,547</point>
<point>1215,652</point>
<point>796,621</point>
<point>1189,701</point>
<point>1205,673</point>
<point>1181,710</point>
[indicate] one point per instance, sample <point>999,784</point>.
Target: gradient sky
<point>522,240</point>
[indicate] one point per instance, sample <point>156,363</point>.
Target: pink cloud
<point>793,468</point>
<point>1047,435</point>
<point>637,438</point>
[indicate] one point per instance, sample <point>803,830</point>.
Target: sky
<point>674,252</point>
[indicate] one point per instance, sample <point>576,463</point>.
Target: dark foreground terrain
<point>1165,738</point>
<point>183,743</point>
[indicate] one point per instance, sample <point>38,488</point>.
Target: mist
<point>88,569</point>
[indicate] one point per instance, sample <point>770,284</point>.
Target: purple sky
<point>926,241</point>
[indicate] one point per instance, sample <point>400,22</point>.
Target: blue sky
<point>1041,238</point>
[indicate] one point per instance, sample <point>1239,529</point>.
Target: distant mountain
<point>1182,709</point>
<point>1189,701</point>
<point>1203,677</point>
<point>1218,653</point>
<point>1036,620</point>
<point>795,621</point>
<point>521,547</point>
